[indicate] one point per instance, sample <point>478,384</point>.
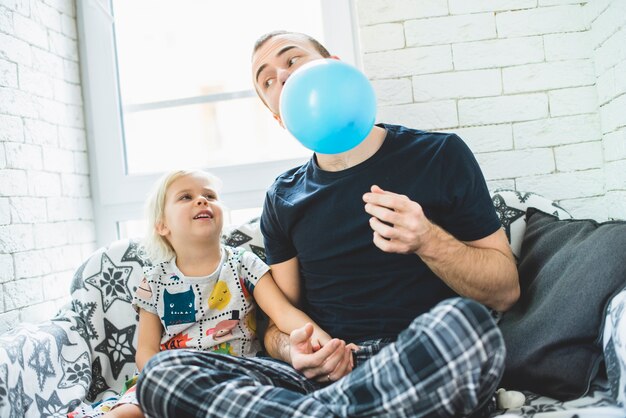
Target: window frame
<point>118,196</point>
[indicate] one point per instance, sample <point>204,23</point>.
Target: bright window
<point>168,85</point>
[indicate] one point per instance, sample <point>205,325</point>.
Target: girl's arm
<point>149,340</point>
<point>286,316</point>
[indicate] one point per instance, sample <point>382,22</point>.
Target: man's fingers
<point>383,229</point>
<point>301,335</point>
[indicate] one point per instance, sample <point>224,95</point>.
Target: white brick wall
<point>537,88</point>
<point>46,220</point>
<point>607,27</point>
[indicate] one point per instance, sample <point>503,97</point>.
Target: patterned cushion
<point>511,207</point>
<point>44,368</point>
<point>614,343</point>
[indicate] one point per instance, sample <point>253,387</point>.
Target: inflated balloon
<point>328,105</point>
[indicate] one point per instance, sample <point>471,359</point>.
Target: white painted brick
<point>72,116</point>
<point>50,110</point>
<point>20,6</point>
<point>18,103</point>
<point>71,71</point>
<point>433,115</point>
<point>3,160</point>
<point>47,63</point>
<point>560,2</point>
<point>615,175</point>
<point>72,138</point>
<point>15,238</point>
<point>497,53</point>
<point>608,23</point>
<point>509,164</point>
<point>504,184</point>
<point>63,6</point>
<point>63,209</point>
<point>450,29</point>
<point>9,320</point>
<point>63,46</point>
<point>614,144</point>
<point>14,49</point>
<point>40,133</point>
<point>379,11</point>
<point>567,46</point>
<point>605,85</point>
<point>620,78</point>
<point>36,83</point>
<point>12,129</point>
<point>8,74</point>
<point>44,184</point>
<point>6,268</point>
<point>81,163</point>
<point>611,52</point>
<point>573,101</point>
<point>58,160</point>
<point>24,292</point>
<point>612,115</point>
<point>86,250</point>
<point>5,211</point>
<point>394,91</point>
<point>38,313</point>
<point>559,186</point>
<point>50,234</point>
<point>68,26</point>
<point>587,208</point>
<point>46,15</point>
<point>476,6</point>
<point>459,84</point>
<point>579,157</point>
<point>30,31</point>
<point>616,203</point>
<point>35,263</point>
<point>556,131</point>
<point>13,183</point>
<point>540,21</point>
<point>67,93</point>
<point>80,232</point>
<point>487,138</point>
<point>502,109</point>
<point>6,20</point>
<point>382,37</point>
<point>27,210</point>
<point>407,62</point>
<point>75,185</point>
<point>24,156</point>
<point>593,9</point>
<point>70,259</point>
<point>547,76</point>
<point>57,285</point>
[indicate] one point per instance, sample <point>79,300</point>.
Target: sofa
<point>86,352</point>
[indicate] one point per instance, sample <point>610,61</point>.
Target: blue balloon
<point>328,105</point>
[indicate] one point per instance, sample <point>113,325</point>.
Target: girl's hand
<point>319,338</point>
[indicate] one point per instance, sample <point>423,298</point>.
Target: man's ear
<point>278,119</point>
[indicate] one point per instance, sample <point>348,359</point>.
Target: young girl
<point>198,293</point>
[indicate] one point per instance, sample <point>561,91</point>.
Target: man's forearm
<point>277,343</point>
<point>486,275</point>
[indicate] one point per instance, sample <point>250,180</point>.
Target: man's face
<point>273,63</point>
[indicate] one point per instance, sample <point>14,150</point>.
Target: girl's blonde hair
<point>158,247</point>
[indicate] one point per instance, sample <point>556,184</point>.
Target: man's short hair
<point>266,37</point>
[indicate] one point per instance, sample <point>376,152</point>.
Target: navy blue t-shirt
<point>350,287</point>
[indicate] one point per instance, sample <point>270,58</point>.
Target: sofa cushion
<point>569,270</point>
<point>511,206</point>
<point>614,342</point>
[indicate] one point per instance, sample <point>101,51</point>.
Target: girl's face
<point>192,211</point>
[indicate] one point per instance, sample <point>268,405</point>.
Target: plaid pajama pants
<point>447,363</point>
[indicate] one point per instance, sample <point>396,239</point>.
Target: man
<point>372,243</point>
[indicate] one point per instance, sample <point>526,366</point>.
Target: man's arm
<point>333,360</point>
<point>483,270</point>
